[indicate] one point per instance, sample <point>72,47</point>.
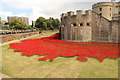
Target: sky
<point>34,9</point>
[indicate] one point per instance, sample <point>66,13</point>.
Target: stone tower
<point>33,23</point>
<point>106,9</point>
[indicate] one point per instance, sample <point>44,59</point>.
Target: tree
<point>0,22</point>
<point>56,23</point>
<point>28,28</point>
<point>47,24</point>
<point>17,23</point>
<point>40,23</point>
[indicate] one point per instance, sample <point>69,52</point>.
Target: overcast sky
<point>45,8</point>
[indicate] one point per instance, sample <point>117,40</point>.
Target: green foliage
<point>44,25</point>
<point>39,22</point>
<point>47,24</point>
<point>4,27</point>
<point>28,28</point>
<point>0,22</point>
<point>17,23</point>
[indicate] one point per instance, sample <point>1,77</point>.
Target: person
<point>3,33</point>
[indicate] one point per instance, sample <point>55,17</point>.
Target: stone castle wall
<point>92,26</point>
<point>115,31</point>
<point>76,27</point>
<point>105,30</point>
<point>101,28</point>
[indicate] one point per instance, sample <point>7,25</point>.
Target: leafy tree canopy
<point>47,24</point>
<point>17,23</point>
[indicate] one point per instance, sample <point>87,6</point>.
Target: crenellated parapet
<point>88,12</point>
<point>78,13</point>
<point>70,13</point>
<point>63,15</point>
<point>80,18</point>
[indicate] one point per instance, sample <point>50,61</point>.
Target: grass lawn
<point>17,66</point>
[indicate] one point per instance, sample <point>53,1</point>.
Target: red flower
<point>52,47</point>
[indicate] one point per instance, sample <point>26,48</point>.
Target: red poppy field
<point>52,47</point>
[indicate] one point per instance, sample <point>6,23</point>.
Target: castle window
<point>100,14</point>
<point>74,24</point>
<point>88,24</point>
<point>81,24</point>
<point>100,9</point>
<point>110,9</point>
<point>116,6</point>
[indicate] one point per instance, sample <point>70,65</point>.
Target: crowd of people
<point>12,31</point>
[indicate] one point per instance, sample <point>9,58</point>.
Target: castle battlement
<point>70,13</point>
<point>78,13</point>
<point>63,15</point>
<point>88,12</point>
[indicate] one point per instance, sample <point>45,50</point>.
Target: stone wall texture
<point>10,37</point>
<point>100,29</point>
<point>92,26</point>
<point>76,27</point>
<point>104,30</point>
